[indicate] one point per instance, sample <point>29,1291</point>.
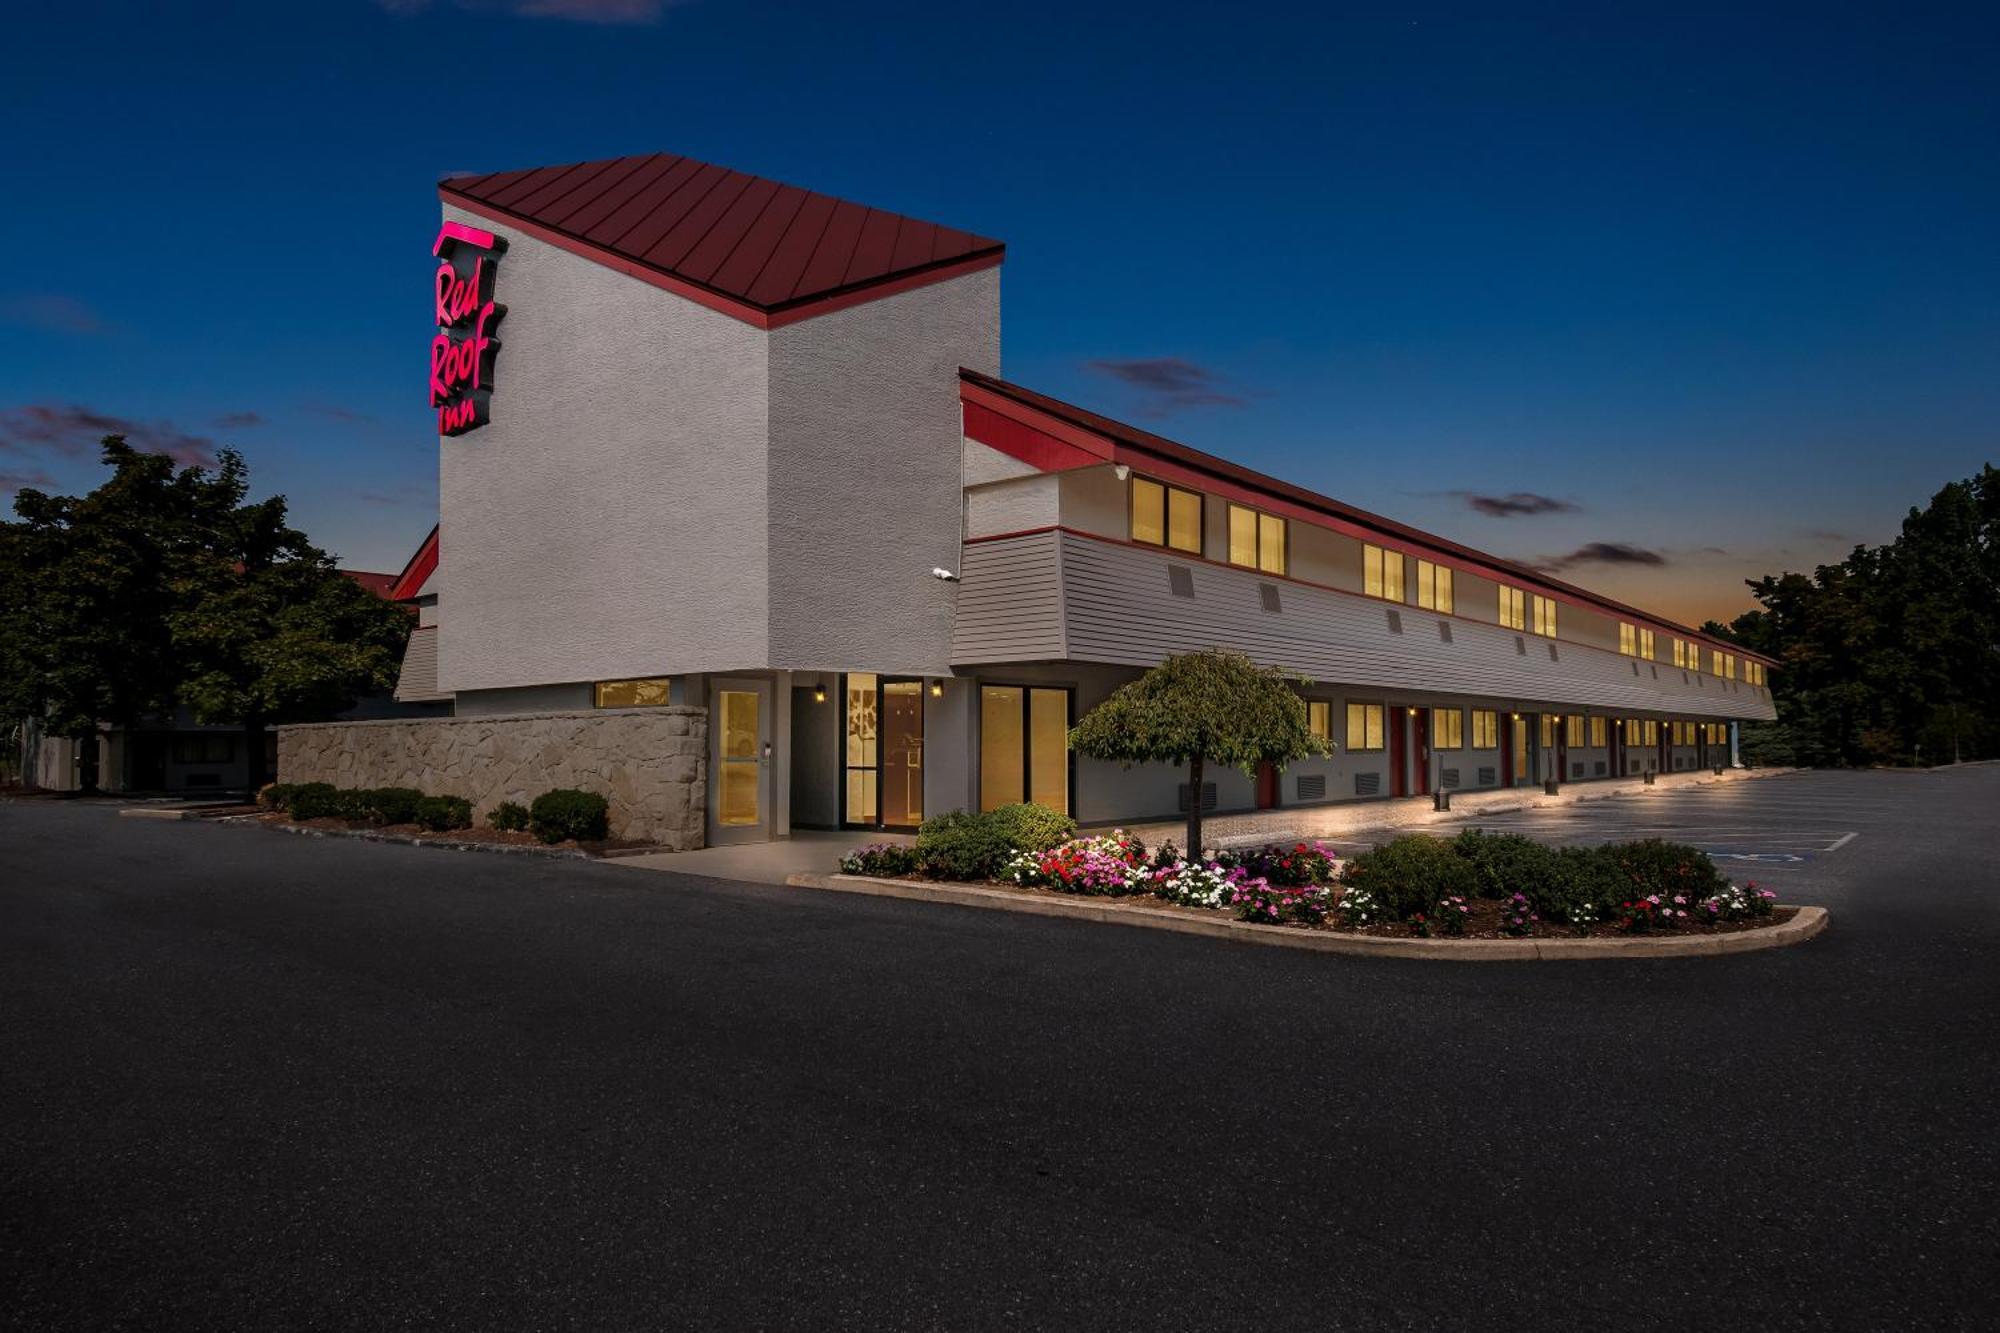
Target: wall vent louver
<point>1367,784</point>
<point>1601,769</point>
<point>1487,777</point>
<point>1312,786</point>
<point>1180,580</point>
<point>1553,655</point>
<point>1207,796</point>
<point>1395,621</point>
<point>1576,770</point>
<point>1267,594</point>
<point>1444,631</point>
<point>1520,646</point>
<point>1448,779</point>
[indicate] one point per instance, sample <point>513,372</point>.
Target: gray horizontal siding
<point>418,680</point>
<point>1115,606</point>
<point>1009,602</point>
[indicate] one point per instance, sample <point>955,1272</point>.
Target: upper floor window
<point>650,692</point>
<point>1256,539</point>
<point>1319,719</point>
<point>1433,586</point>
<point>1754,672</point>
<point>1729,665</point>
<point>1545,615</point>
<point>1164,515</point>
<point>1681,654</point>
<point>1364,726</point>
<point>1628,639</point>
<point>1513,607</point>
<point>1381,572</point>
<point>1715,661</point>
<point>1646,644</point>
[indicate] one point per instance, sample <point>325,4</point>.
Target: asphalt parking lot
<point>250,1081</point>
<point>1790,831</point>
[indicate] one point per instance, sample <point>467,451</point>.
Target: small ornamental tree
<point>1199,709</point>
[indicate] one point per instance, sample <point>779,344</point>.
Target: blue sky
<point>1713,293</point>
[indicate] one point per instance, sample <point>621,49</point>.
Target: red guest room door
<point>1399,752</point>
<point>1420,748</point>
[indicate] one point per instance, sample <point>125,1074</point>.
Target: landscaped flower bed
<point>1475,885</point>
<point>561,818</point>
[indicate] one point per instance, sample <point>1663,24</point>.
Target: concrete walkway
<point>819,852</point>
<point>805,852</point>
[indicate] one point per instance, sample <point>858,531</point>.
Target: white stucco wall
<point>865,464</point>
<point>610,519</point>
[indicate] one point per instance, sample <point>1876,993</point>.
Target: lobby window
<point>1364,726</point>
<point>1545,615</point>
<point>1023,747</point>
<point>1646,644</point>
<point>1319,719</point>
<point>1513,607</point>
<point>1599,732</point>
<point>1652,732</point>
<point>1628,639</point>
<point>1634,733</point>
<point>1573,731</point>
<point>1447,728</point>
<point>1382,572</point>
<point>1164,515</point>
<point>646,692</point>
<point>1256,539</point>
<point>863,705</point>
<point>1433,587</point>
<point>1485,729</point>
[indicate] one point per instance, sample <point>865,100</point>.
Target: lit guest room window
<point>1164,515</point>
<point>1381,572</point>
<point>1256,539</point>
<point>646,692</point>
<point>1433,586</point>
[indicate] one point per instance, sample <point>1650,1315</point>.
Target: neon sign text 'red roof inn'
<point>462,353</point>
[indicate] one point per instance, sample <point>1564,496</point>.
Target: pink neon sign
<point>462,352</point>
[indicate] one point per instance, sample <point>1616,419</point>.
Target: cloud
<point>1515,504</point>
<point>574,11</point>
<point>1827,535</point>
<point>53,313</point>
<point>1601,553</point>
<point>1171,382</point>
<point>15,481</point>
<point>74,432</point>
<point>335,412</point>
<point>238,420</point>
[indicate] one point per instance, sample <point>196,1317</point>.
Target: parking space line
<point>1843,842</point>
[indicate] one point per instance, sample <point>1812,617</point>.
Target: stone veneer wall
<point>650,764</point>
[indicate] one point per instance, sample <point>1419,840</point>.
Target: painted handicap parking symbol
<point>1767,858</point>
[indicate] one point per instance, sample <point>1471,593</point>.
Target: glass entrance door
<point>1523,772</point>
<point>740,761</point>
<point>902,753</point>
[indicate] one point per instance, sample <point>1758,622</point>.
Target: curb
<point>1808,922</point>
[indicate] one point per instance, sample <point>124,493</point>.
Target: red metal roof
<point>379,584</point>
<point>752,246</point>
<point>1101,439</point>
<point>421,565</point>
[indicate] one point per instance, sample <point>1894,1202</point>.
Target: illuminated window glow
<point>1433,587</point>
<point>1364,726</point>
<point>1513,607</point>
<point>646,692</point>
<point>1382,573</point>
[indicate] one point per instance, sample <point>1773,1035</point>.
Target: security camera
<point>944,574</point>
<point>1122,472</point>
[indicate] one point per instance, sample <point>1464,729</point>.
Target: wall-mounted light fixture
<point>819,694</point>
<point>1122,472</point>
<point>937,689</point>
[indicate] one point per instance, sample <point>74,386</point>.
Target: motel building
<point>715,445</point>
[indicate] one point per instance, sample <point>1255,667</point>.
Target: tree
<point>165,586</point>
<point>1202,708</point>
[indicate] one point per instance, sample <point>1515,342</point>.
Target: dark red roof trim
<point>767,253</point>
<point>1055,436</point>
<point>421,566</point>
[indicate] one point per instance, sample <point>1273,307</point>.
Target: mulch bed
<point>1483,923</point>
<point>510,838</point>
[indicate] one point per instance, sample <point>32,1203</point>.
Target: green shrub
<point>1506,863</point>
<point>960,844</point>
<point>312,800</point>
<point>510,816</point>
<point>1032,828</point>
<point>568,814</point>
<point>440,814</point>
<point>392,805</point>
<point>276,795</point>
<point>1412,875</point>
<point>351,803</point>
<point>1585,886</point>
<point>1654,865</point>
